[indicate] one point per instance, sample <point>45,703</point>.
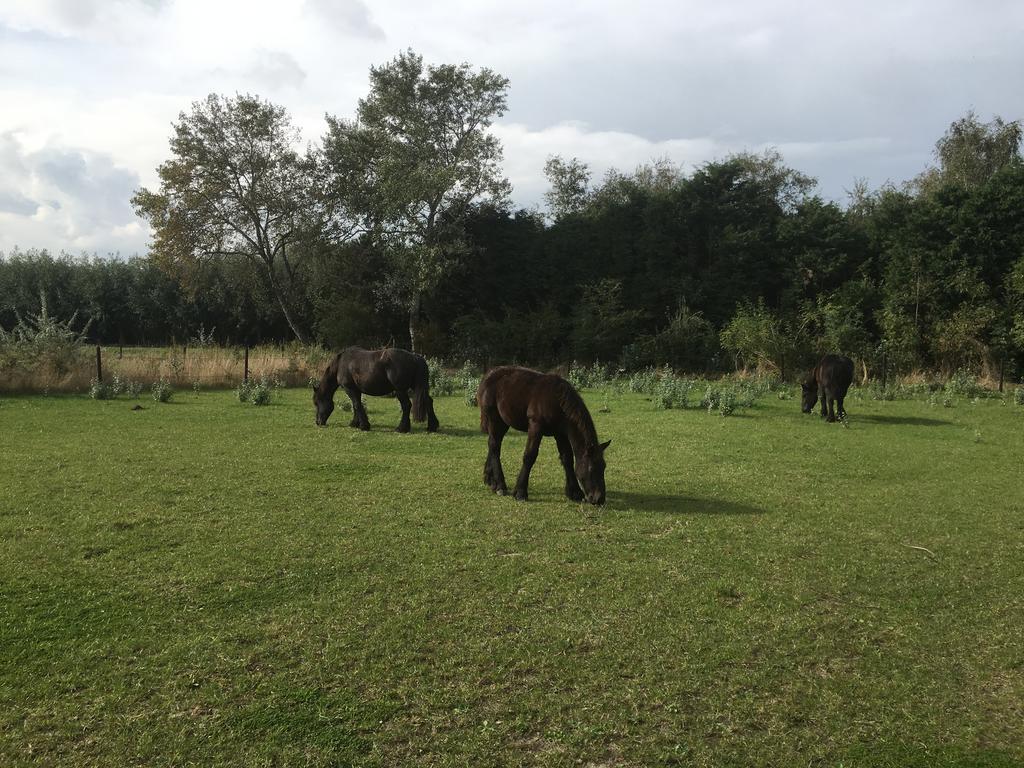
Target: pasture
<point>204,582</point>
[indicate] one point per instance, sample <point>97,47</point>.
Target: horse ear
<point>604,445</point>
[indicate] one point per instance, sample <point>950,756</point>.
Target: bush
<point>672,392</point>
<point>963,383</point>
<point>720,398</point>
<point>644,382</point>
<point>441,382</point>
<point>162,391</point>
<point>256,392</point>
<point>1018,396</point>
<point>588,377</point>
<point>99,390</point>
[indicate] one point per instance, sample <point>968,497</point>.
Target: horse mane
<point>576,411</point>
<point>330,375</point>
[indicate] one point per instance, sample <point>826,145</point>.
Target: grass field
<point>208,583</point>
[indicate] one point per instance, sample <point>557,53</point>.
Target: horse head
<point>590,472</point>
<point>324,405</point>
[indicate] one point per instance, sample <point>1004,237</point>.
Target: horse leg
<point>831,407</point>
<point>572,485</point>
<point>359,418</point>
<point>824,402</point>
<point>432,422</point>
<point>494,477</point>
<point>403,400</point>
<point>840,408</point>
<point>533,438</point>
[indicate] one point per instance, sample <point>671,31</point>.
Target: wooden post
<point>1001,365</point>
<point>99,365</point>
<point>245,375</point>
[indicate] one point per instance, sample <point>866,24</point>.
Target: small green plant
<point>643,382</point>
<point>133,389</point>
<point>162,391</point>
<point>470,397</point>
<point>963,383</point>
<point>441,382</point>
<point>196,386</point>
<point>1018,396</point>
<point>99,390</point>
<point>255,392</point>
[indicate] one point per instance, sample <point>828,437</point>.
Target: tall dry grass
<point>209,367</point>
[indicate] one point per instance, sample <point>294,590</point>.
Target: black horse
<point>540,404</point>
<point>829,381</point>
<point>377,372</point>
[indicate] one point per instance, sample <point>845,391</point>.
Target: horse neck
<point>580,428</point>
<point>329,383</point>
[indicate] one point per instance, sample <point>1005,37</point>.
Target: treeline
<point>396,228</point>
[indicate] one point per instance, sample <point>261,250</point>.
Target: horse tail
<point>421,390</point>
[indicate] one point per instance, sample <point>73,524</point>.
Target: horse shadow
<point>906,421</point>
<point>674,504</point>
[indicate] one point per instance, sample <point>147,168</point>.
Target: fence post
<point>99,365</point>
<point>245,375</point>
<point>1002,362</point>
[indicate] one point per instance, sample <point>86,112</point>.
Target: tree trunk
<point>414,317</point>
<point>279,295</point>
<point>291,322</point>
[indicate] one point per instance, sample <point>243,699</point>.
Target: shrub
<point>441,382</point>
<point>99,390</point>
<point>963,383</point>
<point>256,392</point>
<point>644,381</point>
<point>1018,396</point>
<point>470,397</point>
<point>588,377</point>
<point>672,392</point>
<point>720,398</point>
<point>162,391</point>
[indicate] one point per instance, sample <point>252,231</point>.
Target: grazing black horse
<point>376,372</point>
<point>541,405</point>
<point>829,381</point>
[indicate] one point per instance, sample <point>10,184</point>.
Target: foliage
<point>235,189</point>
<point>757,336</point>
<point>162,391</point>
<point>417,156</point>
<point>99,390</point>
<point>41,341</point>
<point>256,391</point>
<point>569,191</point>
<point>1018,395</point>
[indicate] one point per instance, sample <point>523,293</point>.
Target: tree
<point>235,189</point>
<point>414,162</point>
<point>569,180</point>
<point>970,152</point>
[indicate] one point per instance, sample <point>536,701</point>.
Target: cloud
<point>276,70</point>
<point>13,202</point>
<point>62,197</point>
<point>526,151</point>
<point>349,16</point>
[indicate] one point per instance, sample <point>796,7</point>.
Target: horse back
<point>521,395</point>
<point>834,374</point>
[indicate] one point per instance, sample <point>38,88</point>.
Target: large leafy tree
<point>971,152</point>
<point>414,162</point>
<point>235,189</point>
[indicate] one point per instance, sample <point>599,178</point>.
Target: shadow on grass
<point>911,421</point>
<point>678,505</point>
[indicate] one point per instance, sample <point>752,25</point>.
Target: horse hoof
<point>501,491</point>
<point>519,496</point>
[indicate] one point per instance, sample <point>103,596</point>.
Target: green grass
<point>207,583</point>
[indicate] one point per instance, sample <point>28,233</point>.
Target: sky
<point>89,89</point>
